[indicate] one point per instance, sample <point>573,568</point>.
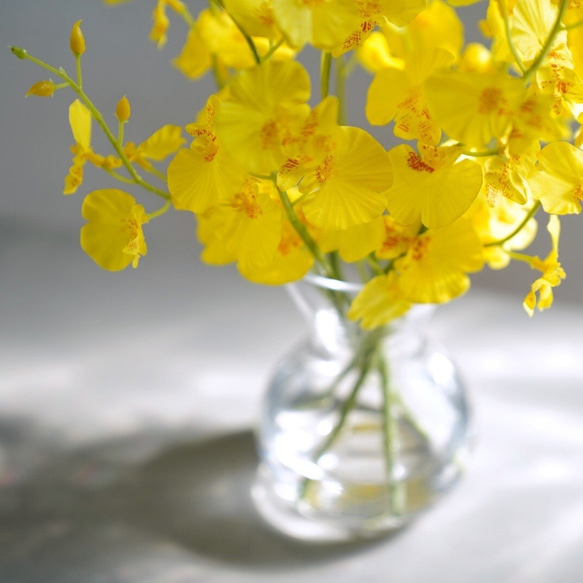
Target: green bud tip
<point>20,53</point>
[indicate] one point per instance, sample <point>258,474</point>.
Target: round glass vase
<point>361,430</point>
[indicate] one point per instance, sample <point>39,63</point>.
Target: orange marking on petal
<point>415,163</point>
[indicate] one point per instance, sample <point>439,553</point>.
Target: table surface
<point>126,451</point>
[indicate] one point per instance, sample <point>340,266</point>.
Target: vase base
<point>298,521</point>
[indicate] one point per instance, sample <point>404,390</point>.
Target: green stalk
<point>547,46</point>
<point>325,67</point>
<point>527,218</point>
<point>137,179</point>
<point>396,489</point>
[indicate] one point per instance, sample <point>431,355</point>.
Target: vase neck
<point>325,312</point>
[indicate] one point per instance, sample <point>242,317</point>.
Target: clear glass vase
<point>361,430</point>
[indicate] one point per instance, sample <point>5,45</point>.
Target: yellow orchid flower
<point>80,121</point>
<point>315,141</point>
<point>398,12</point>
<point>255,16</point>
<point>494,222</point>
<point>380,301</point>
<point>508,177</point>
<point>374,54</point>
<point>551,270</point>
<point>161,22</point>
<point>263,112</point>
<point>530,25</point>
<point>559,182</point>
<point>113,236</point>
<point>354,243</point>
<point>347,188</point>
<point>435,268</point>
<point>290,263</point>
<point>158,146</point>
<point>397,238</point>
<point>399,95</point>
<point>437,27</point>
<point>324,24</point>
<point>434,185</point>
<point>203,175</point>
<point>473,108</point>
<point>209,225</point>
<point>252,226</point>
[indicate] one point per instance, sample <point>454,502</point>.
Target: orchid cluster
<point>281,185</point>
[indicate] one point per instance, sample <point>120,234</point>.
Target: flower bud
<point>123,110</point>
<point>18,52</point>
<point>43,88</point>
<point>77,41</point>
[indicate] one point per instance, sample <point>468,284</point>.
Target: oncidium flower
<point>113,236</point>
<point>161,22</point>
<point>322,23</point>
<point>263,113</point>
<point>551,270</point>
<point>474,108</point>
<point>251,228</point>
<point>434,186</point>
<point>80,121</point>
<point>435,268</point>
<point>158,146</point>
<point>347,188</point>
<point>398,12</point>
<point>559,182</point>
<point>399,95</point>
<point>291,261</point>
<point>204,175</point>
<point>380,301</point>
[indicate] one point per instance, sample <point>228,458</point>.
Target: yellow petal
<point>438,195</point>
<point>379,302</point>
<point>350,182</point>
<point>162,143</point>
<point>559,183</point>
<point>80,121</point>
<point>436,266</point>
<point>113,236</point>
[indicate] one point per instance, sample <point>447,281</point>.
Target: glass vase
<point>361,430</point>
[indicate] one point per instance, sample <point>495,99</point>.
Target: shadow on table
<point>196,495</point>
<point>199,495</point>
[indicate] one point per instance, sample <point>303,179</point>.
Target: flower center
<point>491,100</point>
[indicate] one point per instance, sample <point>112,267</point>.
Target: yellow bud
<point>43,88</point>
<point>77,41</point>
<point>123,109</point>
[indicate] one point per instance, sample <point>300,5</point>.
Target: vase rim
<point>333,284</point>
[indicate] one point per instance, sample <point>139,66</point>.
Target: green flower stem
<point>325,67</point>
<point>513,50</point>
<point>119,176</point>
<point>79,72</point>
<point>120,132</point>
<point>137,179</point>
<point>547,46</point>
<point>365,360</point>
<point>397,490</point>
<point>158,174</point>
<point>572,26</point>
<point>341,90</point>
<point>159,212</point>
<point>272,50</point>
<point>484,154</point>
<point>302,231</point>
<point>521,226</point>
<point>245,34</point>
<point>220,82</point>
